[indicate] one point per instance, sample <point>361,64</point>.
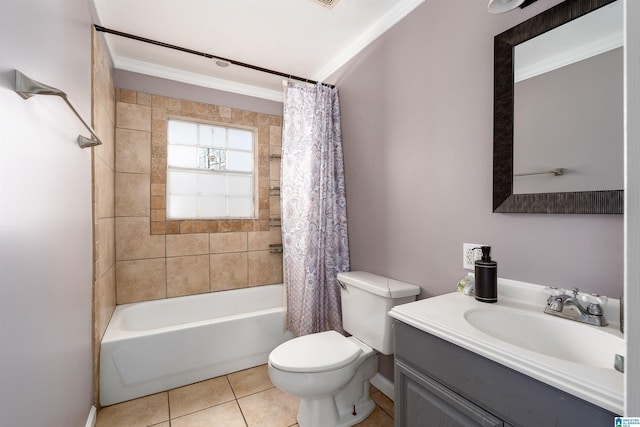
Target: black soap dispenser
<point>486,287</point>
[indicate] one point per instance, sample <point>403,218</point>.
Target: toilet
<point>330,372</point>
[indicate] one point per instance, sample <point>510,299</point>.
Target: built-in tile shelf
<point>275,248</point>
<point>275,222</point>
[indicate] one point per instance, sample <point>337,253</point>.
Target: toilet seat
<point>321,352</point>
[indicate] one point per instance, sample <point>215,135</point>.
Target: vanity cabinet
<point>438,383</point>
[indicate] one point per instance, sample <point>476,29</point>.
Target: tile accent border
<point>162,108</point>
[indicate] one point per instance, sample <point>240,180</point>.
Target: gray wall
<point>173,89</point>
<point>417,113</point>
<point>45,217</point>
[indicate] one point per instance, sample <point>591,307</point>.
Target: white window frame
<point>204,171</point>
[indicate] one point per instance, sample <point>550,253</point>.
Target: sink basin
<point>559,338</point>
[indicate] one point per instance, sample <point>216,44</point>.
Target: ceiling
<point>299,37</point>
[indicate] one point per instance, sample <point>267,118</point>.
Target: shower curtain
<point>314,217</point>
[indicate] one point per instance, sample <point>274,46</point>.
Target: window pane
<point>240,207</point>
<point>182,133</point>
<point>210,171</point>
<point>240,185</point>
<point>239,161</point>
<point>212,184</point>
<point>184,157</point>
<point>219,136</point>
<point>212,158</point>
<point>182,182</point>
<point>212,207</point>
<point>183,207</point>
<point>240,139</point>
<point>206,135</point>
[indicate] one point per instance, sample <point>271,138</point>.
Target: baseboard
<point>93,416</point>
<point>383,384</point>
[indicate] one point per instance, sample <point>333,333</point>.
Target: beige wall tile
<point>105,129</point>
<point>134,241</point>
<point>274,171</point>
<point>105,298</point>
<point>187,275</point>
<point>228,271</point>
<point>187,244</point>
<point>133,116</point>
<point>265,268</point>
<point>140,280</point>
<point>275,149</point>
<point>228,242</point>
<point>274,206</point>
<point>133,151</point>
<point>128,95</point>
<point>104,182</point>
<point>275,135</point>
<point>132,194</point>
<point>105,245</point>
<point>260,240</point>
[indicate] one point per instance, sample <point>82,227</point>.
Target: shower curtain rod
<point>206,55</point>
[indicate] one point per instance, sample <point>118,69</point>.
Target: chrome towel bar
<point>555,172</point>
<point>27,87</point>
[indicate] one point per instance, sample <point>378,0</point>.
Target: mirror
<point>566,180</point>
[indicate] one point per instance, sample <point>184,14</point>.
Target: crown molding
<point>195,79</point>
<point>570,56</point>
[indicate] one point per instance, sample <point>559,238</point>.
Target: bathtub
<point>158,345</point>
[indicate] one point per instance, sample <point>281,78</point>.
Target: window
<point>210,171</point>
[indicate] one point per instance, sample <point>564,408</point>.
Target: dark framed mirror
<point>505,199</point>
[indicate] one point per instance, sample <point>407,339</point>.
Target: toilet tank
<point>366,300</point>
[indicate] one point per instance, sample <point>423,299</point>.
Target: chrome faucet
<point>568,306</point>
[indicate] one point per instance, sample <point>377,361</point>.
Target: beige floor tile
<point>202,395</point>
<point>378,418</point>
<point>164,424</point>
<point>227,415</point>
<point>142,412</point>
<point>250,381</point>
<point>383,402</point>
<point>271,408</point>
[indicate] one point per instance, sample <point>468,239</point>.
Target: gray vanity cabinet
<point>428,403</point>
<point>441,384</point>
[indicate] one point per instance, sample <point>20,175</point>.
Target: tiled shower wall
<point>104,276</point>
<point>157,258</point>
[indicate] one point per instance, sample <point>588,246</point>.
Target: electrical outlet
<point>470,253</point>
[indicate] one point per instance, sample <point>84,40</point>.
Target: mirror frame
<point>504,201</point>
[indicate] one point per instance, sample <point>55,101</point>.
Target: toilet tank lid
<point>378,285</point>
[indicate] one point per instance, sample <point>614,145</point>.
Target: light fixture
<point>501,6</point>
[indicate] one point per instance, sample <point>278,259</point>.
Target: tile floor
<point>243,399</point>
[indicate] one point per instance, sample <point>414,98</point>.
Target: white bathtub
<point>153,346</point>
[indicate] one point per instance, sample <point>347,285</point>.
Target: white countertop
<point>444,317</point>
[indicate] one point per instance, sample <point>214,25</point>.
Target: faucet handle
<point>553,291</point>
<point>594,299</point>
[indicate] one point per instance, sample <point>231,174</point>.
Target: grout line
<point>169,407</point>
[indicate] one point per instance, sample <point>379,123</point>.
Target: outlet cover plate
<point>470,254</point>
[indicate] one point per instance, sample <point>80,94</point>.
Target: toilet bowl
<point>329,372</point>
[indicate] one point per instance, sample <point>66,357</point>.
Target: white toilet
<point>329,372</point>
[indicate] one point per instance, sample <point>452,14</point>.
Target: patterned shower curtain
<point>314,216</point>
